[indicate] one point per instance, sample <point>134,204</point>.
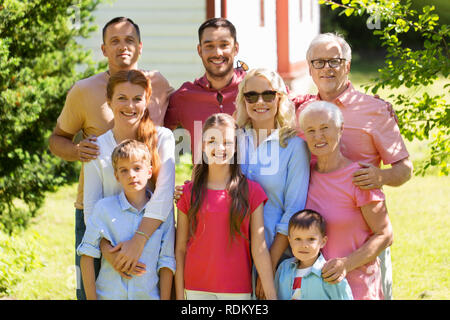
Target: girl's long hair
<point>146,131</point>
<point>237,186</point>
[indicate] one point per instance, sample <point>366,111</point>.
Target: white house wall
<point>168,32</point>
<point>302,32</point>
<point>257,45</point>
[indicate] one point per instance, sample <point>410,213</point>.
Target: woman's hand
<point>178,191</point>
<point>110,253</point>
<point>128,254</point>
<point>334,270</point>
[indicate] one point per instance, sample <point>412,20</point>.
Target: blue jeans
<point>80,228</point>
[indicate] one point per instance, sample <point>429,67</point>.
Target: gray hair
<point>325,106</point>
<point>327,38</point>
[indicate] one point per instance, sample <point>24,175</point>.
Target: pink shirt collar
<point>344,97</point>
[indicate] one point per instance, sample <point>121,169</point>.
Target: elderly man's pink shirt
<point>371,133</point>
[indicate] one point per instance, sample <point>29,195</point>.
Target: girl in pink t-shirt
<point>220,223</point>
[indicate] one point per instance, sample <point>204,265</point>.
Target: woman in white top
<point>127,95</point>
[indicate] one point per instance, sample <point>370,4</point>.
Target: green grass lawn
<point>420,215</point>
<point>56,226</point>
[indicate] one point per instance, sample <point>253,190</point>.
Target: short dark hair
<point>217,23</point>
<point>304,219</point>
<point>121,19</point>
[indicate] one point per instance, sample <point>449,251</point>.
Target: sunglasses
<point>253,96</point>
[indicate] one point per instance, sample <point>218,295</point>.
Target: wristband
<point>142,234</point>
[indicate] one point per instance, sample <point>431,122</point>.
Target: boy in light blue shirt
<point>117,219</point>
<point>300,277</point>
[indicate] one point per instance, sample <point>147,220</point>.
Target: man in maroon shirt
<point>216,91</point>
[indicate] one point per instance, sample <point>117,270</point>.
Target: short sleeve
<point>183,203</point>
<point>387,138</point>
<point>159,100</point>
<point>71,119</point>
<point>256,195</point>
<point>364,197</point>
<point>171,119</point>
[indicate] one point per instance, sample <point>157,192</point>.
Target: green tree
<point>428,116</point>
<point>39,59</point>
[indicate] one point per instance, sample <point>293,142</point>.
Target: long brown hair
<point>237,186</point>
<point>146,131</point>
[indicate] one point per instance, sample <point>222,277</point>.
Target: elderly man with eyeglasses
<point>371,133</point>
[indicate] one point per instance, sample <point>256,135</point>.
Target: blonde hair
<point>285,117</point>
<point>131,149</point>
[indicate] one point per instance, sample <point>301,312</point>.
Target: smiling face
<point>128,104</point>
<point>121,46</point>
<point>219,145</point>
<point>133,174</point>
<point>306,244</point>
<point>217,49</point>
<point>261,113</point>
<point>322,135</point>
<point>329,81</point>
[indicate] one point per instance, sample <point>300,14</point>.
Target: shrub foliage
<point>39,62</point>
<point>428,116</point>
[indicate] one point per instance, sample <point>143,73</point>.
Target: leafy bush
<point>428,116</point>
<point>17,256</point>
<point>38,61</point>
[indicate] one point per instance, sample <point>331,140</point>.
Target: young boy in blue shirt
<point>116,219</point>
<point>300,277</point>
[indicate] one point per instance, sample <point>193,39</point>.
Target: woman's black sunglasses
<point>253,96</point>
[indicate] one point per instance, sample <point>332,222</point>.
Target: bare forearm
<point>179,275</point>
<point>165,281</point>
<point>370,250</point>
<point>149,225</point>
<point>88,273</point>
<point>63,147</point>
<point>262,260</point>
<point>279,245</point>
<point>399,173</point>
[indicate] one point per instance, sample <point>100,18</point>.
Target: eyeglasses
<point>332,63</point>
<point>253,96</point>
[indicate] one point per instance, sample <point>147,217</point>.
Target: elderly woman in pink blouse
<point>358,225</point>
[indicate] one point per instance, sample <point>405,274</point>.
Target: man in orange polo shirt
<point>371,133</point>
